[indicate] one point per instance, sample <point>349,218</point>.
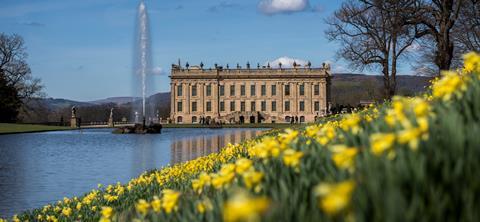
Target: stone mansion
<point>249,95</point>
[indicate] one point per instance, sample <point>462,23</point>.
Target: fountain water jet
<point>142,63</point>
<point>143,80</point>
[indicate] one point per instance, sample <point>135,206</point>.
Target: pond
<point>40,168</point>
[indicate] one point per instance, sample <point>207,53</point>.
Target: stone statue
<point>110,120</point>
<point>74,112</point>
<point>73,120</point>
<point>111,113</point>
<point>327,66</point>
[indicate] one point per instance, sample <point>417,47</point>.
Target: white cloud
<point>414,47</point>
<point>271,7</point>
<point>287,62</point>
<point>158,71</point>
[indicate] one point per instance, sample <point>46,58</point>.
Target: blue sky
<point>82,49</point>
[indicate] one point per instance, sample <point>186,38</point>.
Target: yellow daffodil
<point>243,207</point>
<point>79,206</point>
<point>242,165</point>
<point>471,62</point>
<point>381,142</point>
<point>344,156</point>
<point>351,122</point>
<point>169,200</point>
<point>292,158</point>
<point>333,198</point>
<point>410,136</point>
<point>203,206</point>
<point>142,207</point>
<point>252,178</point>
<point>451,84</point>
<point>67,211</point>
<point>156,204</point>
<point>107,212</point>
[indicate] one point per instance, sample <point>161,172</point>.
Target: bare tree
<point>15,75</point>
<point>436,20</point>
<point>467,31</point>
<point>373,34</point>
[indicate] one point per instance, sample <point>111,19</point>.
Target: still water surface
<point>40,168</point>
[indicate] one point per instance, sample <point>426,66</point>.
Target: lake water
<point>40,168</point>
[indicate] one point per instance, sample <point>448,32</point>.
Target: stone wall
<point>207,100</point>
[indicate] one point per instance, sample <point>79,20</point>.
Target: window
<point>302,106</point>
<point>274,90</point>
<point>179,119</point>
<point>252,90</point>
<point>209,106</point>
<point>264,90</point>
<point>316,90</point>
<point>287,90</point>
<point>242,106</point>
<point>179,107</point>
<point>302,90</point>
<point>222,90</point>
<point>194,90</point>
<point>264,106</point>
<point>242,90</point>
<point>222,106</point>
<point>209,90</point>
<point>317,106</point>
<point>232,90</point>
<point>232,106</point>
<point>252,106</point>
<point>302,119</point>
<point>287,106</point>
<point>274,106</point>
<point>194,119</point>
<point>179,90</point>
<point>194,106</point>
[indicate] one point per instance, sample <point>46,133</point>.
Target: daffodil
<point>381,142</point>
<point>410,136</point>
<point>344,156</point>
<point>142,207</point>
<point>451,84</point>
<point>243,207</point>
<point>471,62</point>
<point>156,204</point>
<point>107,212</point>
<point>252,178</point>
<point>292,158</point>
<point>242,165</point>
<point>333,198</point>
<point>203,206</point>
<point>67,211</point>
<point>169,200</point>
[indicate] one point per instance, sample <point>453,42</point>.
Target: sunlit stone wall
<point>249,95</point>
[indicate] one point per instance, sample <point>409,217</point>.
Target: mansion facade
<point>247,95</point>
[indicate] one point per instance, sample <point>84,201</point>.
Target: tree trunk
<point>386,81</point>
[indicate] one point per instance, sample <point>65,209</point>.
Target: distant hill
<point>116,100</point>
<point>52,103</point>
<point>347,89</point>
<point>350,88</point>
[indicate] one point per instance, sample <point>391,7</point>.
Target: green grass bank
<point>11,128</point>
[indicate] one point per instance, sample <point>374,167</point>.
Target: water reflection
<point>39,168</point>
<point>192,147</point>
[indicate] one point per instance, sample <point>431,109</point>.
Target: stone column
<point>187,102</point>
<point>172,101</point>
<point>312,95</point>
<point>296,98</point>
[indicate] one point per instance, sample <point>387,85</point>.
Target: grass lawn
<point>6,128</point>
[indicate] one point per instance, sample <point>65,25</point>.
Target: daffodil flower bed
<point>411,159</point>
